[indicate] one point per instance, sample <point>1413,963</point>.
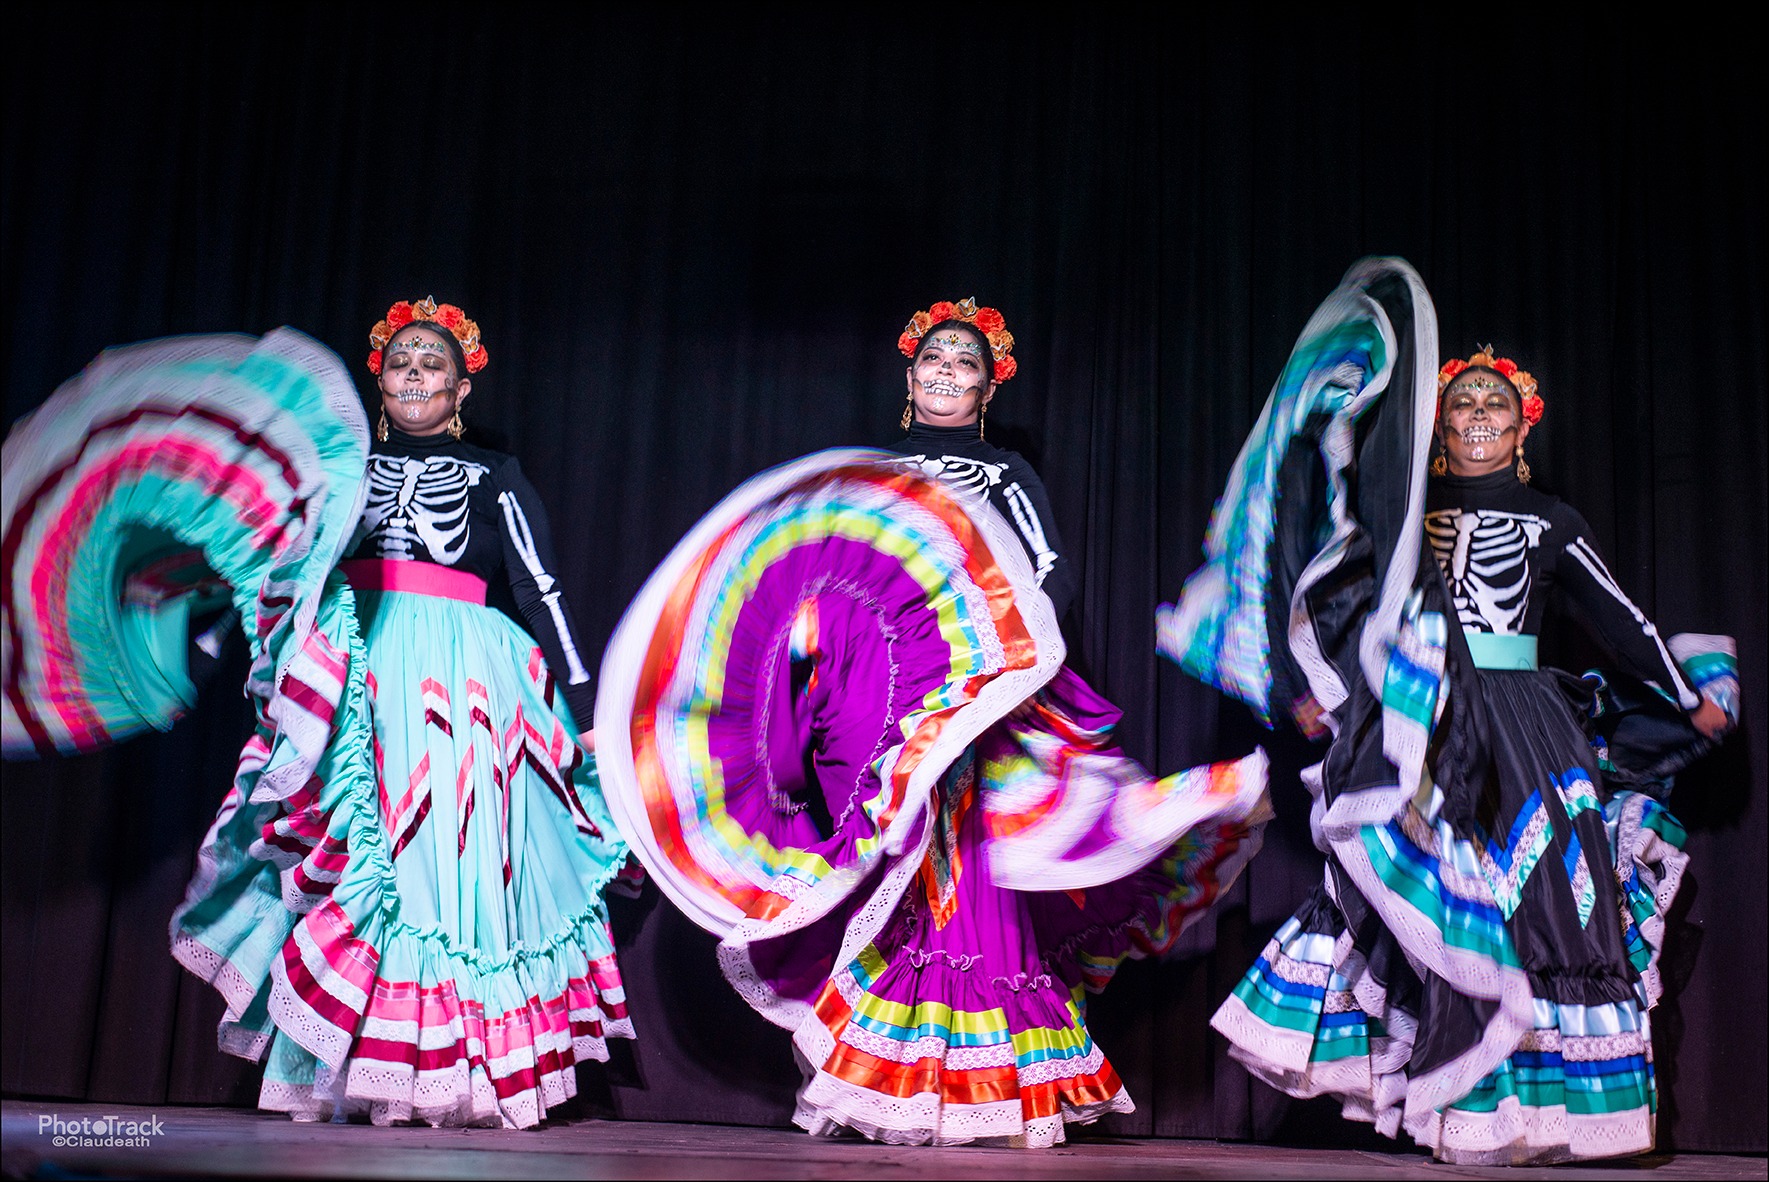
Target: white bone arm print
<point>1484,555</point>
<point>1025,516</point>
<point>975,478</point>
<point>523,539</point>
<point>412,500</point>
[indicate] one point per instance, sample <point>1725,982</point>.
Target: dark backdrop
<point>692,240</point>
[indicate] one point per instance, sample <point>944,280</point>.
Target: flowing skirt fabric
<point>400,898</point>
<point>837,726</point>
<point>1478,964</point>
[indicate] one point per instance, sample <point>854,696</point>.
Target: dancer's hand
<point>1710,720</point>
<point>587,740</point>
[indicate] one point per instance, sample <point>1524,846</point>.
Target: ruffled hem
<point>1575,1083</point>
<point>295,917</point>
<point>970,1060</point>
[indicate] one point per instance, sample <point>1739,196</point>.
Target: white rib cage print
<point>412,500</point>
<point>1484,554</point>
<point>971,477</point>
<point>974,478</point>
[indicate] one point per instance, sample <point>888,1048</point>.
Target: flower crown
<point>427,309</point>
<point>1533,406</point>
<point>987,321</point>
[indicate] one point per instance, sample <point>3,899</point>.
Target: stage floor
<point>216,1142</point>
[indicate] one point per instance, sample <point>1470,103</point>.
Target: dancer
<point>1479,962</point>
<point>836,726</point>
<point>401,897</point>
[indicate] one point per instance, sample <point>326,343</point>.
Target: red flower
<point>476,359</point>
<point>1533,408</point>
<point>1505,366</point>
<point>399,315</point>
<point>1450,369</point>
<point>989,323</point>
<point>450,317</point>
<point>375,362</point>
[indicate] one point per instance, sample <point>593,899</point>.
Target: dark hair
<point>982,339</point>
<point>455,355</point>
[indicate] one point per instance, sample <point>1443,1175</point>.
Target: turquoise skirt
<point>417,931</point>
<point>401,896</point>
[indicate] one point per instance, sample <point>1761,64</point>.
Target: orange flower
<point>476,359</point>
<point>989,323</point>
<point>451,318</point>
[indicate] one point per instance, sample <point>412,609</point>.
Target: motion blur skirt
<point>401,897</point>
<point>836,727</point>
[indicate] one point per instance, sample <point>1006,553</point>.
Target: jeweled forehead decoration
<point>987,321</point>
<point>953,340</point>
<point>428,311</point>
<point>1519,379</point>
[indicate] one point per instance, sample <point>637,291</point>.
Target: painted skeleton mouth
<point>1473,435</point>
<point>942,389</point>
<point>414,396</point>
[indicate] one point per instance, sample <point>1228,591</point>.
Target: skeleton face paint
<point>1480,423</point>
<point>419,387</point>
<point>947,380</point>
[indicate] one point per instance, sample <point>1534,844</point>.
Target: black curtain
<point>691,240</point>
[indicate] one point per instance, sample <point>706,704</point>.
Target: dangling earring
<point>1439,465</point>
<point>908,410</point>
<point>381,427</point>
<point>1522,466</point>
<point>456,427</point>
<point>982,409</point>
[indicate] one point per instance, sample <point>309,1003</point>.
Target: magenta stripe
<point>308,698</point>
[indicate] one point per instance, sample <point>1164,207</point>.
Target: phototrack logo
<point>100,1132</point>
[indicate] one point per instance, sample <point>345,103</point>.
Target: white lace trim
<point>826,1105</point>
<point>1515,1135</point>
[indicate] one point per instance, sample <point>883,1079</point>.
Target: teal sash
<point>1491,651</point>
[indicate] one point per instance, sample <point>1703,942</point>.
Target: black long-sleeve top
<point>1505,549</point>
<point>434,499</point>
<point>975,467</point>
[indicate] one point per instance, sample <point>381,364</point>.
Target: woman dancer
<point>1479,961</point>
<point>836,726</point>
<point>401,899</point>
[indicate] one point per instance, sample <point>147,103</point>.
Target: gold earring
<point>1522,466</point>
<point>982,409</point>
<point>908,410</point>
<point>381,427</point>
<point>1439,465</point>
<point>456,427</point>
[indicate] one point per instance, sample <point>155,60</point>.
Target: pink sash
<point>419,578</point>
